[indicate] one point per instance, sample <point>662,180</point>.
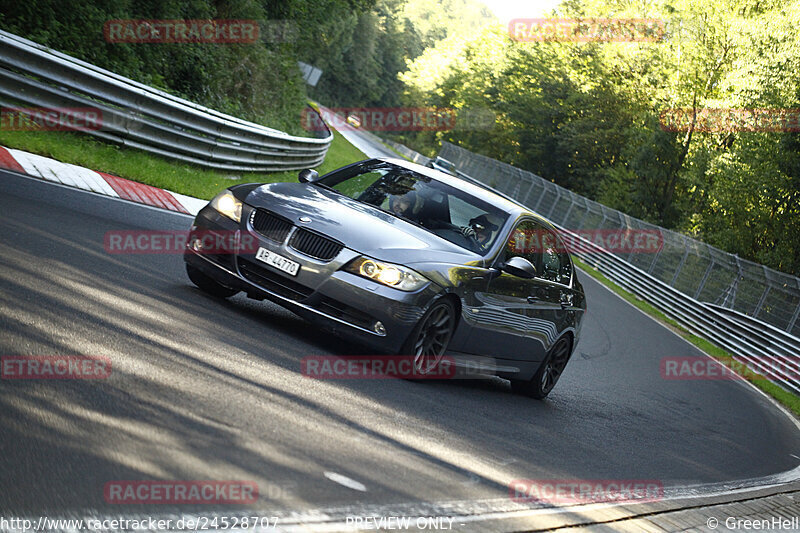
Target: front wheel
<point>430,337</point>
<point>549,371</point>
<point>208,285</point>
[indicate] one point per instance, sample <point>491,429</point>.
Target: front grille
<point>273,281</point>
<point>315,245</point>
<point>270,225</point>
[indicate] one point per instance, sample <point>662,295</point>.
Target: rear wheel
<point>430,337</point>
<point>206,284</point>
<point>549,371</point>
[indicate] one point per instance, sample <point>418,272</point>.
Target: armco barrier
<point>766,348</point>
<point>141,117</point>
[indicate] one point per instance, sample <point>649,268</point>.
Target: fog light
<point>379,328</point>
<point>196,244</point>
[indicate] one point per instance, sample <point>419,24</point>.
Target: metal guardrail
<point>694,268</point>
<point>764,348</point>
<point>145,118</point>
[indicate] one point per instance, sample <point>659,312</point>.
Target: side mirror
<point>520,267</point>
<point>308,176</point>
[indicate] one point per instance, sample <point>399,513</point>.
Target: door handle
<point>533,299</point>
<point>566,300</point>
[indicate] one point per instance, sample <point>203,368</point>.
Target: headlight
<point>388,274</point>
<point>228,205</point>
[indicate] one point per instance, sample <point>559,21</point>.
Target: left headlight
<point>227,204</point>
<point>396,276</point>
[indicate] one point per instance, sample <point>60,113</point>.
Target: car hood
<point>360,227</point>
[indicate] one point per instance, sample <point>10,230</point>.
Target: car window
<point>462,212</point>
<point>451,213</point>
<point>543,248</point>
<point>356,185</point>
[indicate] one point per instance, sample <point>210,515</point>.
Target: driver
<point>403,205</point>
<point>481,228</point>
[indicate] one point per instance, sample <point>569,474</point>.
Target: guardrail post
<point>793,321</point>
<point>527,194</point>
<point>680,263</point>
<point>730,292</point>
<point>761,301</point>
<point>705,278</point>
<point>653,263</point>
<point>555,203</point>
<point>518,185</point>
<point>586,212</point>
<point>571,205</point>
<point>544,192</point>
<point>764,295</point>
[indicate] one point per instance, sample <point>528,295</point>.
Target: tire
<point>208,285</point>
<point>548,373</point>
<point>428,340</point>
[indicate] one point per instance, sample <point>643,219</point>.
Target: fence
<point>767,350</point>
<point>141,117</point>
<point>693,268</point>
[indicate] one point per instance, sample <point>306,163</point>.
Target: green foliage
<point>587,116</point>
<point>259,82</point>
<point>362,55</point>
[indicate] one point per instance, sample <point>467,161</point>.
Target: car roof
<point>514,208</point>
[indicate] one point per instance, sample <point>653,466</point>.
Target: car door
<point>517,318</point>
<point>502,313</point>
<point>552,301</point>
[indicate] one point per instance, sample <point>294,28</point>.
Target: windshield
<point>443,210</point>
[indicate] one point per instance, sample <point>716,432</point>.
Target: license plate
<point>278,261</point>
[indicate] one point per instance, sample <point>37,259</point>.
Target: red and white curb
<point>98,182</point>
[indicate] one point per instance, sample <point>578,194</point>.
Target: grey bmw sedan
<point>406,260</point>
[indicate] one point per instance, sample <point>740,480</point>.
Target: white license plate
<point>278,261</point>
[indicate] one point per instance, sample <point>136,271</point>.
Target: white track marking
<point>345,481</point>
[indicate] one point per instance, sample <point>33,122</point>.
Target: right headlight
<point>395,276</point>
<point>227,204</point>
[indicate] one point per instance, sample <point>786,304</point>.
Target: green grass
<point>787,399</point>
<point>187,179</point>
<point>136,165</point>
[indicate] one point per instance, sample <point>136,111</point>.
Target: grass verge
<point>784,397</point>
<point>187,179</point>
<point>136,165</point>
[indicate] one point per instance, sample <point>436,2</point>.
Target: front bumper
<point>322,293</point>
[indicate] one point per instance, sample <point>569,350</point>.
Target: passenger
<point>404,205</point>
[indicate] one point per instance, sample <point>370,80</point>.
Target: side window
<point>524,242</point>
<point>543,248</point>
<point>556,265</point>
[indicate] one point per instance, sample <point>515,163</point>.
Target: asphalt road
<point>211,389</point>
<point>367,145</point>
